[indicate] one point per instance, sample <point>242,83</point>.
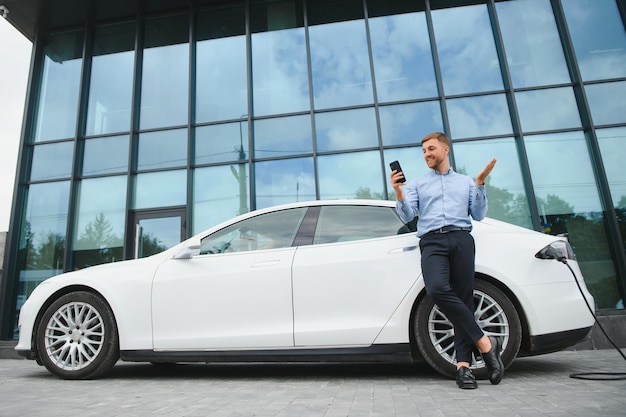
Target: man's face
<point>435,153</point>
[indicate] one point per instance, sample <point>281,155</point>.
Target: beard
<point>434,163</point>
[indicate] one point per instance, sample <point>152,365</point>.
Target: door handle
<point>405,249</point>
<point>266,263</point>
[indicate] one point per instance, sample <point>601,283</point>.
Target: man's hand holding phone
<point>397,176</point>
<point>397,179</point>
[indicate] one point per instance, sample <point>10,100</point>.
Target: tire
<point>495,314</point>
<point>77,337</point>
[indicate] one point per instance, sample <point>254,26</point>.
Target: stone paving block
<point>534,386</point>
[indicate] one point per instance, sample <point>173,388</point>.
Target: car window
<point>266,231</point>
<point>348,223</point>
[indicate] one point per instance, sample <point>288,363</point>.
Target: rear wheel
<point>495,314</point>
<point>77,337</point>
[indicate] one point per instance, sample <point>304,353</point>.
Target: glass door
<point>156,231</point>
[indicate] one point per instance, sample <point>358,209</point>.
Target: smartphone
<point>395,166</point>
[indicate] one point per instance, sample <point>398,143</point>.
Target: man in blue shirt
<point>444,201</point>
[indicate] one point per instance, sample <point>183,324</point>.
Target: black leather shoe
<point>494,361</point>
<point>465,379</point>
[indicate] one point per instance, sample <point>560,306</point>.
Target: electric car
<point>321,280</point>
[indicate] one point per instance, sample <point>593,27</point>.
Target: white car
<point>321,280</point>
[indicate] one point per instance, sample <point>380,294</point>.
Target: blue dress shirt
<point>442,200</point>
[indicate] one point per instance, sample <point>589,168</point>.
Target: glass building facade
<point>141,132</point>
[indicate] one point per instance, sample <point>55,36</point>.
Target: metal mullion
<point>515,119</point>
<point>191,132</point>
<point>81,117</point>
<point>438,76</point>
<point>379,133</point>
<point>621,6</point>
<point>134,127</point>
<point>251,168</point>
<point>307,42</point>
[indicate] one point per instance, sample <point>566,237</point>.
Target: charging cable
<point>598,376</point>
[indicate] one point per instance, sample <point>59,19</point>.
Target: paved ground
<point>534,386</point>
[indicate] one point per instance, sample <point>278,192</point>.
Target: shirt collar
<point>435,172</point>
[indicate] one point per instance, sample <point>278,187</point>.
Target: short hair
<point>441,137</point>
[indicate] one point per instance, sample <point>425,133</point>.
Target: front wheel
<point>77,337</point>
<point>493,311</point>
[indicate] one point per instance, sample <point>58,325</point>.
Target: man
<point>444,201</point>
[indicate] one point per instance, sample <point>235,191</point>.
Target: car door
<point>348,283</point>
<point>236,294</point>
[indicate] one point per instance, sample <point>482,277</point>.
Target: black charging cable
<point>596,376</point>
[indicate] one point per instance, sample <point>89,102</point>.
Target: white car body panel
<point>125,286</point>
<point>224,301</point>
<point>532,281</point>
<point>348,298</point>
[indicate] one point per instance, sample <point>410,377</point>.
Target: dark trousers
<point>448,270</point>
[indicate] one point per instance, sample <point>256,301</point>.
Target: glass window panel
<point>283,136</point>
<point>219,193</point>
<point>532,43</point>
<point>158,234</point>
<point>160,189</point>
<point>279,62</point>
<point>566,174</point>
<point>351,175</point>
<point>221,143</point>
<point>597,32</point>
<point>385,7</point>
<point>569,202</point>
<point>165,75</point>
<point>408,123</point>
<point>267,231</point>
<point>221,79</point>
<point>340,65</point>
<point>52,161</point>
<point>403,63</point>
<point>613,149</point>
<point>607,102</point>
<point>111,86</point>
<point>162,149</point>
<point>42,236</point>
<point>99,231</point>
<point>412,161</point>
<point>549,109</point>
<point>105,155</point>
<point>284,181</point>
<point>505,187</point>
<point>221,22</point>
<point>329,11</point>
<point>269,15</point>
<point>479,116</point>
<point>467,52</point>
<point>350,223</point>
<point>58,90</point>
<point>349,129</point>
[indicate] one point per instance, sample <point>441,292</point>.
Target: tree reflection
<point>97,244</point>
<point>151,245</point>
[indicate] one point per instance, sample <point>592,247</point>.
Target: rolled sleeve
<point>407,207</point>
<point>478,202</point>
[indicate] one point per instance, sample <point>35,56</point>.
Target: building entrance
<point>156,231</point>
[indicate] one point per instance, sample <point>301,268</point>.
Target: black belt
<point>448,229</point>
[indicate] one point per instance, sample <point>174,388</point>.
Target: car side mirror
<point>188,252</point>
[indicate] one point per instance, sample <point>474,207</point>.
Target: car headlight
<point>560,250</point>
